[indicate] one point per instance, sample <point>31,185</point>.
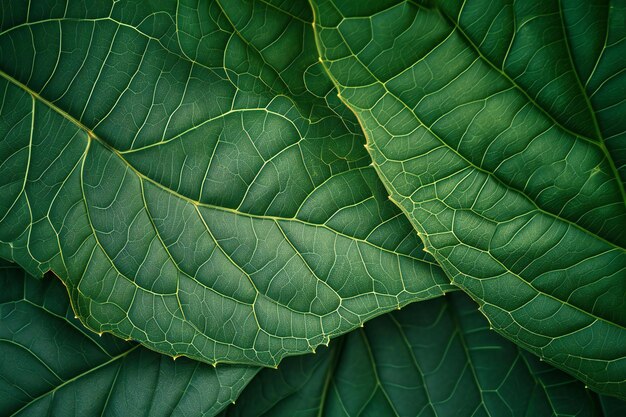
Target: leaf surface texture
<point>434,358</point>
<point>184,168</point>
<point>498,127</point>
<point>52,365</point>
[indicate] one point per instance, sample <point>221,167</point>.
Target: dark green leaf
<point>434,358</point>
<point>50,365</point>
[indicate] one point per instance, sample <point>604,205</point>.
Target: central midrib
<point>599,141</point>
<point>463,158</point>
<point>142,176</point>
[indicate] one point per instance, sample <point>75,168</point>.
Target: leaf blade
<point>53,365</point>
<point>431,358</point>
<point>493,159</point>
<point>179,176</point>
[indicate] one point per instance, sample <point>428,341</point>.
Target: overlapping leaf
<point>182,167</point>
<point>498,127</point>
<point>434,358</point>
<point>50,365</point>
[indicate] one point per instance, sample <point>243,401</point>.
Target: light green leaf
<point>50,365</point>
<point>434,358</point>
<point>499,129</point>
<point>184,168</point>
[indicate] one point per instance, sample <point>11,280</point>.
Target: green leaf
<point>613,406</point>
<point>436,357</point>
<point>51,365</point>
<point>499,129</point>
<point>186,170</point>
